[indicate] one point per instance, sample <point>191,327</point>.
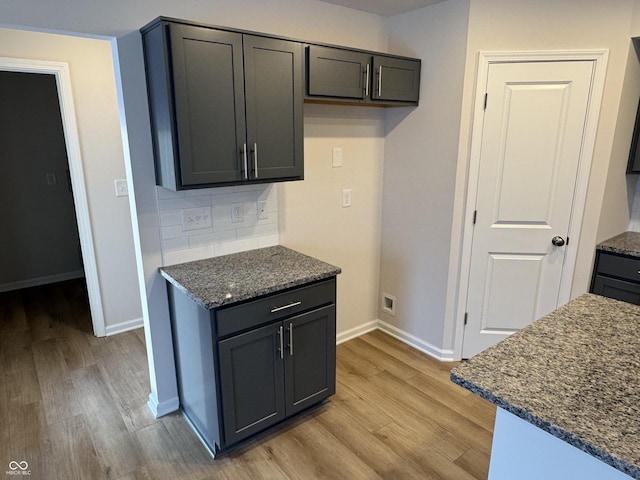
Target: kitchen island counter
<point>574,374</point>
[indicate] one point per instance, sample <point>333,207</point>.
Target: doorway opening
<point>48,236</point>
<point>41,244</point>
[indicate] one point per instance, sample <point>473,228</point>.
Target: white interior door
<point>532,137</point>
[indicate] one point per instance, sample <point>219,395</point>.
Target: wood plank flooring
<point>73,406</point>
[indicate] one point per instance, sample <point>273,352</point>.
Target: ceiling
<point>386,8</point>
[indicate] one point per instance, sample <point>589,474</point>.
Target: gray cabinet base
<point>226,382</point>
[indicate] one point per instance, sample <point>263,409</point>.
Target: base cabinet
<point>616,276</point>
<point>276,371</point>
<point>248,367</point>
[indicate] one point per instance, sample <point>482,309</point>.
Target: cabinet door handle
<point>246,162</point>
<point>281,334</point>
<point>380,81</point>
<point>277,309</point>
<point>291,339</point>
<point>366,81</point>
<point>255,159</point>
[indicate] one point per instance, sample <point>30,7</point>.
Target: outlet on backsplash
<point>237,213</point>
<point>262,210</point>
<point>196,218</point>
<point>223,235</point>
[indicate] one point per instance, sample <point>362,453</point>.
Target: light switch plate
<point>346,198</point>
<point>337,157</point>
<point>122,190</point>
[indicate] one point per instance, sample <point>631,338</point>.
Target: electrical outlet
<point>122,190</point>
<point>196,219</point>
<point>262,210</point>
<point>346,198</point>
<point>237,213</point>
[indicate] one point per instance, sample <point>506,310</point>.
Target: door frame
<point>486,59</point>
<point>74,157</point>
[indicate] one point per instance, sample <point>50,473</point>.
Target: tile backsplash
<point>223,236</point>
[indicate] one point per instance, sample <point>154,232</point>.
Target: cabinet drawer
<point>617,289</point>
<point>254,313</point>
<point>617,266</point>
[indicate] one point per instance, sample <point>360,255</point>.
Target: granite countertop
<point>627,243</point>
<point>575,373</point>
<point>228,279</point>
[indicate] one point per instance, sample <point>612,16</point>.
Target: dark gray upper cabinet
<point>209,104</point>
<point>396,79</point>
<point>274,103</point>
<point>345,75</point>
<point>334,72</point>
<point>226,107</point>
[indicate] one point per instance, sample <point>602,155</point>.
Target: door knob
<point>558,241</point>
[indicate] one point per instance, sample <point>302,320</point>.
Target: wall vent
<point>389,304</point>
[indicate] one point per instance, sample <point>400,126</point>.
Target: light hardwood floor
<point>73,406</point>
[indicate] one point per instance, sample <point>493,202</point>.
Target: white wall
<point>630,98</point>
<point>620,209</point>
<point>312,219</point>
<point>94,93</point>
<point>421,155</point>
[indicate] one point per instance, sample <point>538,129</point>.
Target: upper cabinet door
<point>335,72</point>
<point>396,79</point>
<point>209,104</point>
<point>274,94</point>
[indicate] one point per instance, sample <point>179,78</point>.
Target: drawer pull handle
<point>281,334</point>
<point>291,305</point>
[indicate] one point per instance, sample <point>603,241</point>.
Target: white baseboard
<point>415,342</point>
<point>411,340</point>
<point>124,326</point>
<point>160,409</point>
<point>34,282</point>
<point>356,332</point>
